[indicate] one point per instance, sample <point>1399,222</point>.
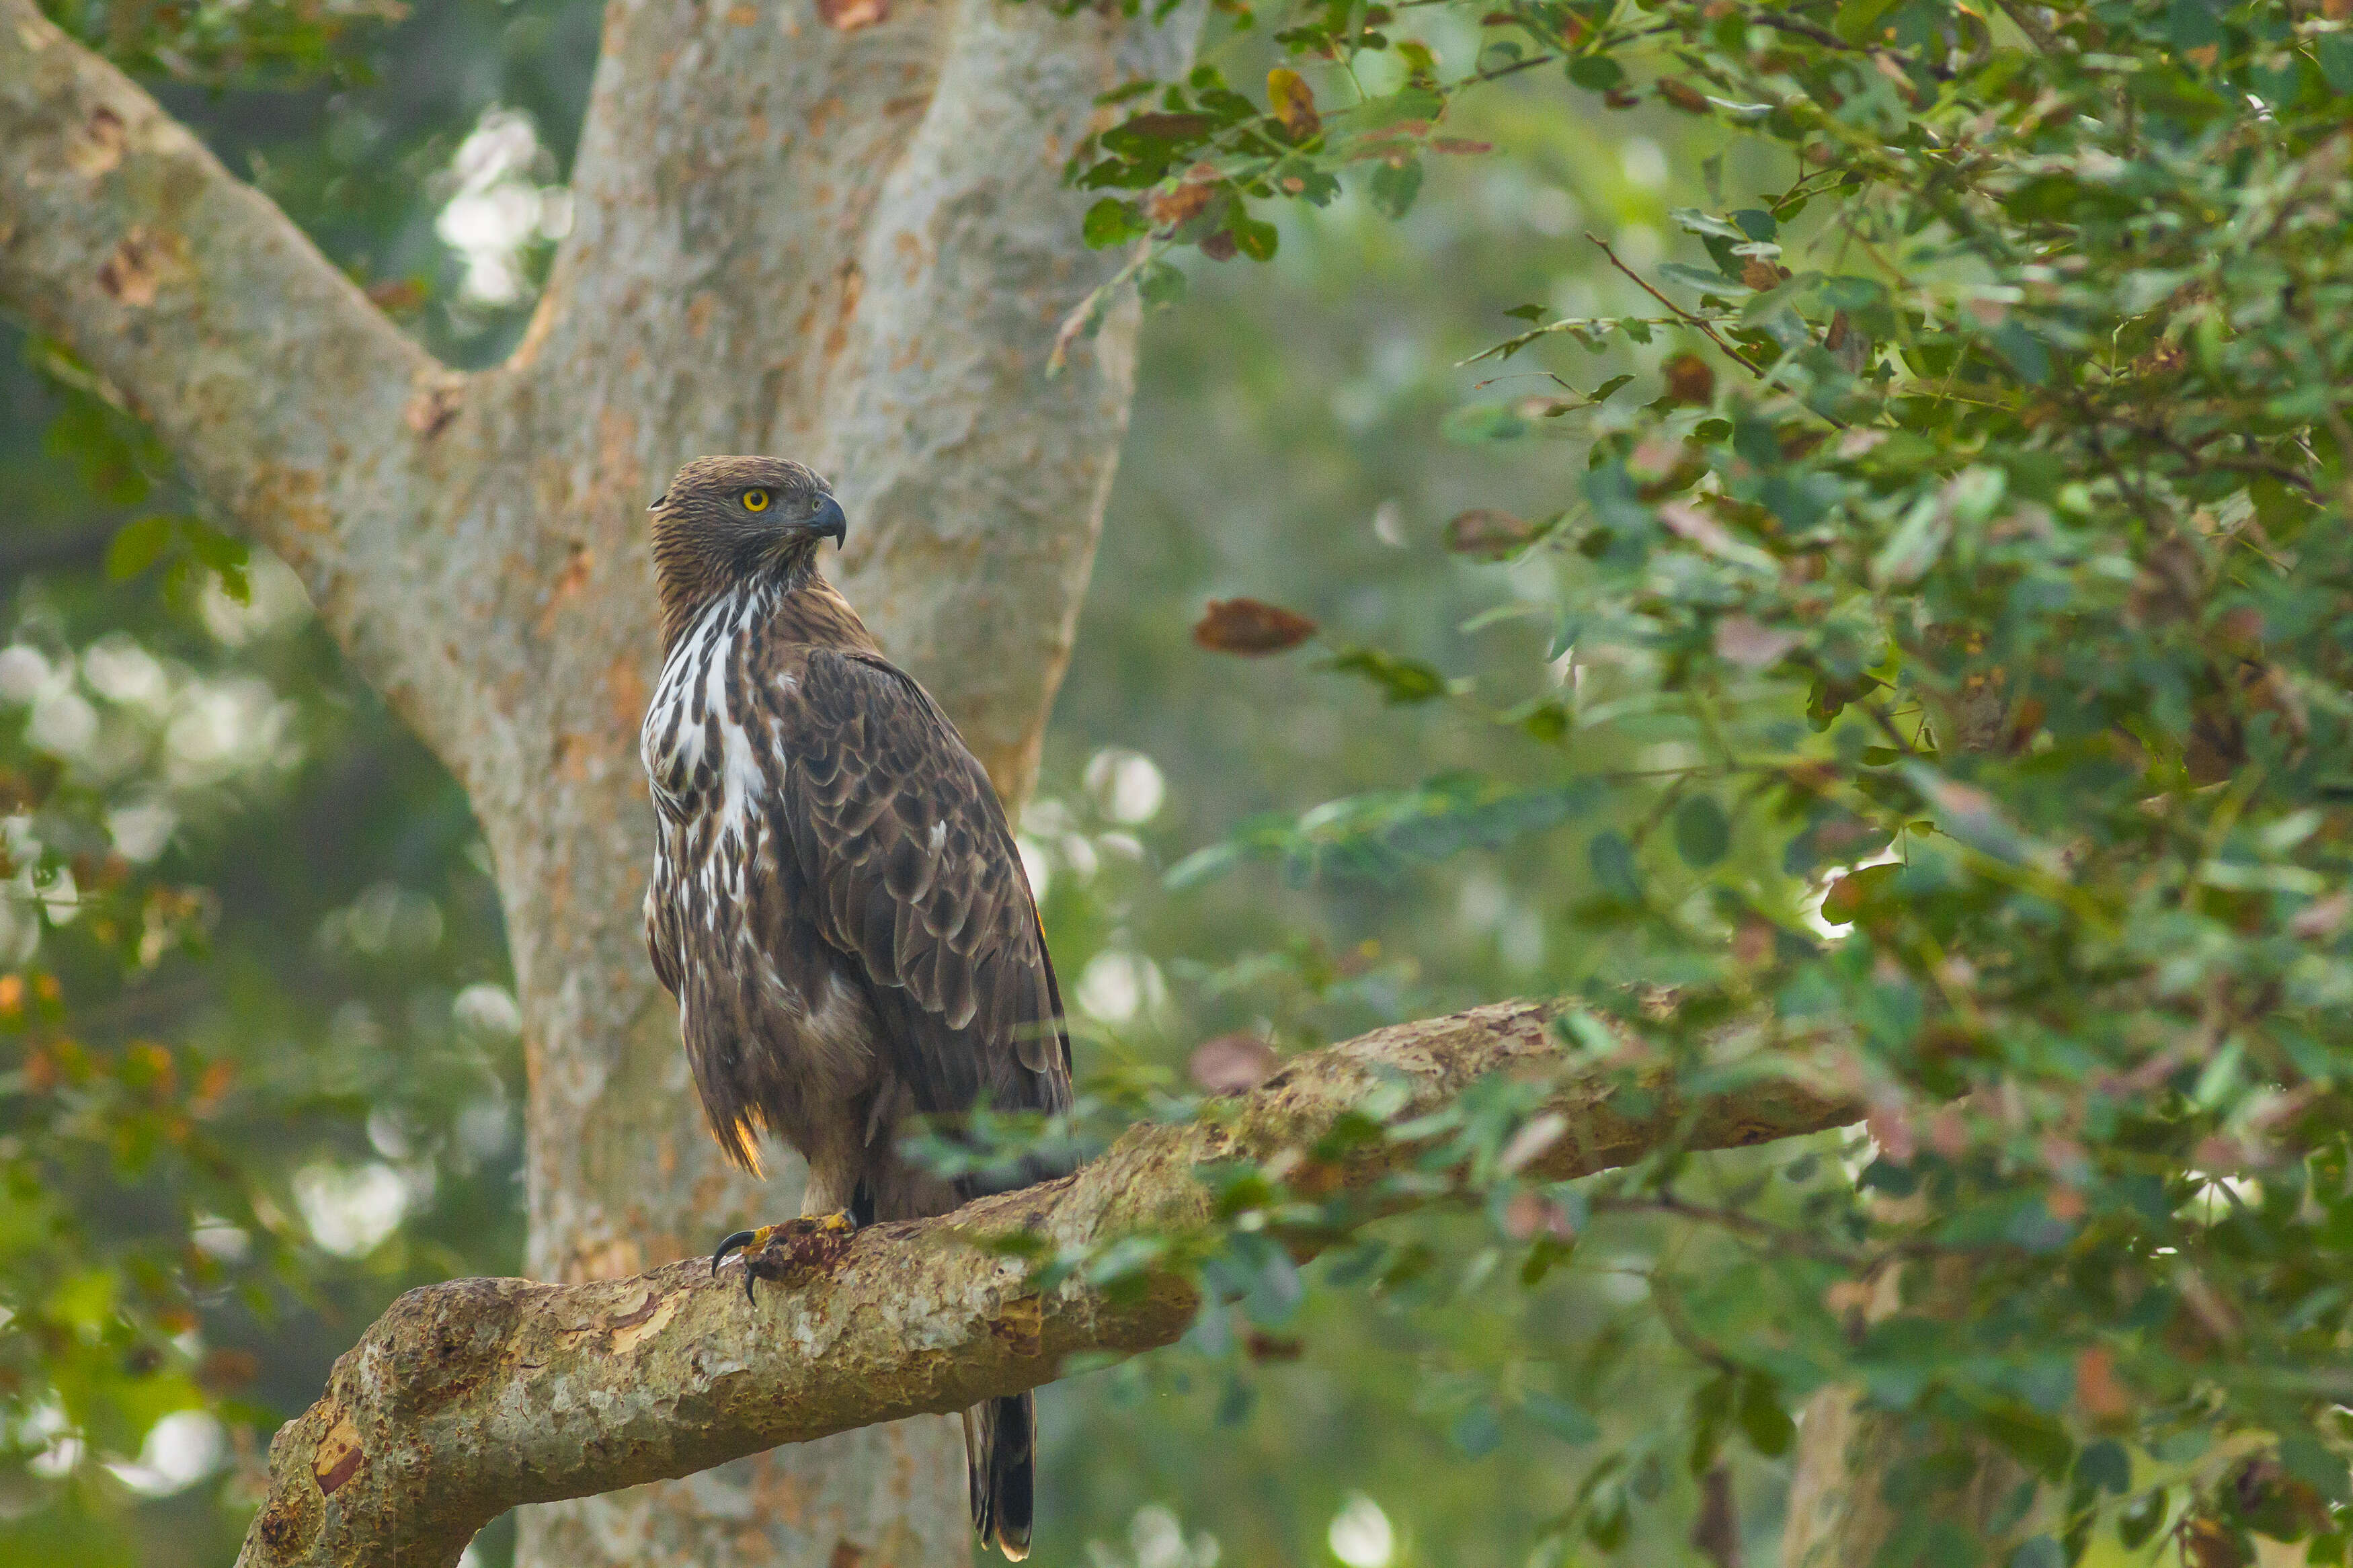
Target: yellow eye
<point>755,500</point>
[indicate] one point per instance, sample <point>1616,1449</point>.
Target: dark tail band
<point>1000,1452</point>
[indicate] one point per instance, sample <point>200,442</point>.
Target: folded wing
<point>909,866</point>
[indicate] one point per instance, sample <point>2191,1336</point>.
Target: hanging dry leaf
<point>1251,625</point>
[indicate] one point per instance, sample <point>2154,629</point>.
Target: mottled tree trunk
<point>843,243</point>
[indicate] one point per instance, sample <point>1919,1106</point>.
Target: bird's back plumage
<point>840,908</point>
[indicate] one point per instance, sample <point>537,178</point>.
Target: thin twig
<point>1681,314</point>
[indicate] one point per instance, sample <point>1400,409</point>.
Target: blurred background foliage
<point>258,1064</point>
<point>260,1071</point>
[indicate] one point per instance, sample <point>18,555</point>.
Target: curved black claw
<point>799,1246</point>
<point>749,1240</point>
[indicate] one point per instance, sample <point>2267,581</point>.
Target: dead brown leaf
<point>1689,380</point>
<point>1486,533</point>
<point>1251,626</point>
<point>1683,96</point>
<point>1293,103</point>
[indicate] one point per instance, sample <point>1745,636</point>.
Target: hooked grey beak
<point>828,521</point>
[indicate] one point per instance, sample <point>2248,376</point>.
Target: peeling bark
<point>467,1399</point>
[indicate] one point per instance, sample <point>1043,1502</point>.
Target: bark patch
<point>645,1322</point>
<point>848,15</point>
<point>96,147</point>
<point>429,411</point>
<point>1021,1324</point>
<point>139,266</point>
<point>340,1456</point>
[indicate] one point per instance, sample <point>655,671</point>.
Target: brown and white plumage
<point>836,902</point>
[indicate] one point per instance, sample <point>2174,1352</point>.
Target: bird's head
<point>725,520</point>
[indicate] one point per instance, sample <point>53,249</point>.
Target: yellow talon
<point>834,1228</point>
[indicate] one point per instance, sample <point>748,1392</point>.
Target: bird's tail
<point>1001,1454</point>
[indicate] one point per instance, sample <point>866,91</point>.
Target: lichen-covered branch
<point>468,1398</point>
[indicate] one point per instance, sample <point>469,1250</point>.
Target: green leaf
<point>2307,1459</point>
<point>1612,860</point>
<point>1395,184</point>
<point>1597,73</point>
<point>1253,237</point>
<point>1477,1431</point>
<point>1113,222</point>
<point>1763,1421</point>
<point>1476,423</point>
<point>1559,1418</point>
<point>1159,283</point>
<point>1858,20</point>
<point>1402,681</point>
<point>2334,51</point>
<point>2040,1552</point>
<point>1691,220</point>
<point>1914,545</point>
<point>139,546</point>
<point>2104,1467</point>
<point>2023,350</point>
<point>1202,864</point>
<point>2139,1519</point>
<point>1703,833</point>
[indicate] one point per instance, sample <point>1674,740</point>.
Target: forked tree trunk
<point>840,241</point>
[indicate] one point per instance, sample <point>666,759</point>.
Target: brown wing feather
<point>907,865</point>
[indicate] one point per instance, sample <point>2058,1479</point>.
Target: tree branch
<point>970,262</point>
<point>298,409</point>
<point>468,1398</point>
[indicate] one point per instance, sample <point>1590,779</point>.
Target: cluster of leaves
<point>173,1097</point>
<point>1980,555</point>
<point>214,43</point>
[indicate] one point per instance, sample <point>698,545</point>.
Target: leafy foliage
<point>1980,553</point>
